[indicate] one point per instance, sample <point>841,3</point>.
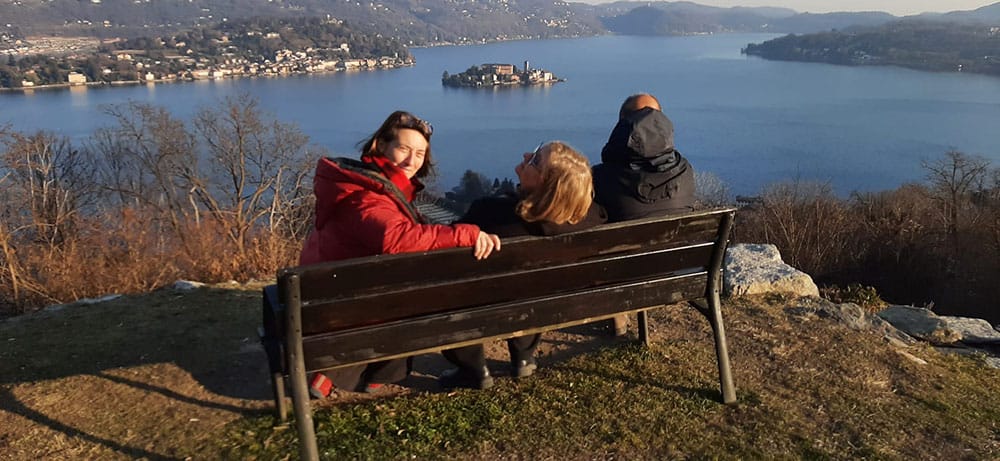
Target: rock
<point>186,285</point>
<point>920,323</point>
<point>973,331</point>
<point>755,268</point>
<point>102,299</point>
<point>993,362</point>
<point>82,302</point>
<point>851,315</point>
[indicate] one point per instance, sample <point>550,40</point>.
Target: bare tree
<point>50,179</point>
<point>149,160</point>
<point>257,168</point>
<point>44,184</point>
<point>953,180</point>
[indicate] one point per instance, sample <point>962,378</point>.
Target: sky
<point>896,7</point>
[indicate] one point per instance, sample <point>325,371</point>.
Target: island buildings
<point>497,74</point>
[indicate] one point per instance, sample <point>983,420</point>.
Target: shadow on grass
<point>12,405</point>
<point>178,396</point>
<point>209,333</point>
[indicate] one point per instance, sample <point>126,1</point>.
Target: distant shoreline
<point>59,86</point>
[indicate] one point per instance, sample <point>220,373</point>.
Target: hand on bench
<point>485,244</point>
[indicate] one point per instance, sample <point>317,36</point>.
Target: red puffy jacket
<point>361,213</point>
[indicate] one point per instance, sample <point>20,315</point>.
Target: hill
<point>177,374</point>
<point>431,21</point>
<point>923,45</point>
<point>438,21</point>
<point>681,18</point>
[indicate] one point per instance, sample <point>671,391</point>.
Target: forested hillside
<point>923,45</point>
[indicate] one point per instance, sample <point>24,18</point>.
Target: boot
<point>467,378</point>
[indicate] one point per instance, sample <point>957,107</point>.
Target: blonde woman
<point>555,196</point>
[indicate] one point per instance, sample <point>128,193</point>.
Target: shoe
<point>373,388</point>
<point>524,368</point>
<point>320,386</point>
<point>464,377</point>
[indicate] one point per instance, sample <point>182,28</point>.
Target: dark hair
<point>389,131</point>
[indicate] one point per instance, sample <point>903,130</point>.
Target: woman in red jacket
<point>364,208</point>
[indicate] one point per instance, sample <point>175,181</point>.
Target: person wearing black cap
<point>641,174</point>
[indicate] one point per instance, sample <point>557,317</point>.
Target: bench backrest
<point>368,309</point>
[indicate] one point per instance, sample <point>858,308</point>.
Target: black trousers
<point>474,357</point>
<point>355,377</point>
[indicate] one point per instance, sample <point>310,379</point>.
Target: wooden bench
<point>363,310</point>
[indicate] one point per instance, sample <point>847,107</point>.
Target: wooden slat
<point>357,277</point>
<point>447,295</point>
<point>433,332</point>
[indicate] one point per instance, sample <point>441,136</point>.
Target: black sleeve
<point>495,215</point>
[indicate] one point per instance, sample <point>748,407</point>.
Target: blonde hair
<point>567,189</point>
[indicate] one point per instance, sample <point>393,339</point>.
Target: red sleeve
<point>379,223</point>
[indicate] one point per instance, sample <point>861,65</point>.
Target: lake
<point>747,120</point>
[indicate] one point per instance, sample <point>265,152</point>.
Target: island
<point>492,75</point>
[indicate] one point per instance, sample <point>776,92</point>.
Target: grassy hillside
<point>175,375</point>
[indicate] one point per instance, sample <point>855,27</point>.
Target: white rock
<point>186,285</point>
<point>973,331</point>
<point>98,300</point>
<point>756,268</point>
<point>82,302</point>
<point>920,323</point>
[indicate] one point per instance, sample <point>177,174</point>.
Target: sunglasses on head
<point>415,123</point>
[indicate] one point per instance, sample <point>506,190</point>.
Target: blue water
<point>749,121</point>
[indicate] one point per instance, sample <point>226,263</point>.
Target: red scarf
<point>409,187</point>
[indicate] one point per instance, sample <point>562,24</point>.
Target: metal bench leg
<point>280,404</point>
<point>721,349</point>
<point>308,451</point>
<point>644,328</point>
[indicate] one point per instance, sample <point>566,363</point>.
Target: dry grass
<point>175,375</point>
<point>129,253</point>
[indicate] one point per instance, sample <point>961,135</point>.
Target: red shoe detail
<point>320,386</point>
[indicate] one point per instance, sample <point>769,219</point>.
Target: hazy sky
<point>896,7</point>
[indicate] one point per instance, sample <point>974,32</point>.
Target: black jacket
<point>497,215</point>
<point>641,173</point>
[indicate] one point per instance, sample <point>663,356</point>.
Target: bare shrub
<point>894,224</point>
<point>710,190</point>
<point>148,201</point>
<point>810,226</point>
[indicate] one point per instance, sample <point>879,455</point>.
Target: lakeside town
<point>493,74</point>
<point>262,48</point>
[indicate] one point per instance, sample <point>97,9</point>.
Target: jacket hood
<point>338,178</point>
<point>644,138</point>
